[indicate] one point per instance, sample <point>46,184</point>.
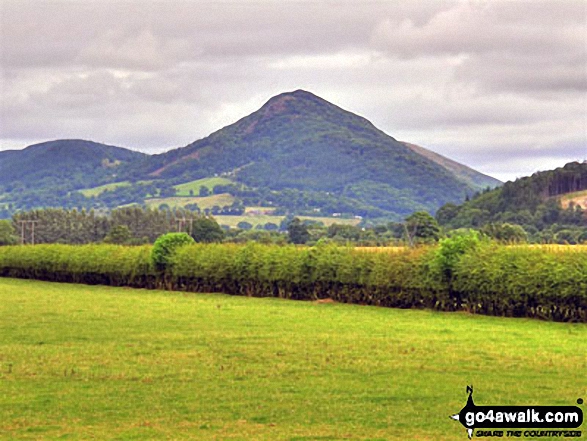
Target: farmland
<point>82,362</point>
<point>577,198</point>
<point>96,191</point>
<point>181,201</point>
<point>262,219</point>
<point>194,186</point>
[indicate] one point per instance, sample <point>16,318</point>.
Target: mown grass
<point>81,362</point>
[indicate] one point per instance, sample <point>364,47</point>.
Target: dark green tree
<point>298,231</point>
<point>505,232</point>
<point>7,233</point>
<point>243,225</point>
<point>119,234</point>
<point>421,227</point>
<point>206,229</point>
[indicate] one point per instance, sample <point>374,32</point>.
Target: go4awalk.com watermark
<point>520,421</point>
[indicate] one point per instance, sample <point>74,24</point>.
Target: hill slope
<point>475,179</point>
<point>538,203</point>
<point>298,153</point>
<point>298,141</point>
<point>64,160</point>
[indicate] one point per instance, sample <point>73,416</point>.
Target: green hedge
<point>523,282</point>
<point>114,265</point>
<point>487,279</point>
<point>343,274</point>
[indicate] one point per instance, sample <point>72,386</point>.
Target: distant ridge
<point>298,154</point>
<point>298,140</point>
<point>468,175</point>
<point>61,159</point>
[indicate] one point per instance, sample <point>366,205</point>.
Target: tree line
<point>139,225</point>
<point>128,225</point>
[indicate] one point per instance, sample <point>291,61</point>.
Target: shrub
<point>452,249</point>
<point>165,246</point>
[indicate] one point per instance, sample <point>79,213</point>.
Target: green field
<point>97,191</point>
<point>94,362</point>
<point>210,183</point>
<point>262,219</point>
<point>181,201</point>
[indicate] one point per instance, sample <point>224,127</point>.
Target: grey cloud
<point>516,45</point>
<point>527,74</point>
<point>462,77</point>
<point>512,27</point>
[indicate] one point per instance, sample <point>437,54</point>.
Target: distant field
<point>203,202</point>
<point>332,220</point>
<point>262,219</point>
<point>396,249</point>
<point>260,209</point>
<point>210,183</point>
<point>555,247</point>
<point>96,191</point>
<point>254,220</point>
<point>91,362</point>
<point>550,247</point>
<point>578,198</point>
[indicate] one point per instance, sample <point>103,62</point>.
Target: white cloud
<point>466,78</point>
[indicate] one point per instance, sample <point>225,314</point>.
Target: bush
<point>452,249</point>
<point>165,246</point>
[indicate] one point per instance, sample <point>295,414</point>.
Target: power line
<point>27,231</point>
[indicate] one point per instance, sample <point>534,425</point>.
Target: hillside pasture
<point>92,362</point>
<point>181,201</point>
<point>577,198</point>
<point>262,219</point>
<point>97,191</point>
<point>194,186</point>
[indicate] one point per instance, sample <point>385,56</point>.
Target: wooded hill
<point>298,154</point>
<point>543,204</point>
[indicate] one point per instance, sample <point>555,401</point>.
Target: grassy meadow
<point>262,219</point>
<point>194,186</point>
<point>96,191</point>
<point>95,362</point>
<point>181,201</point>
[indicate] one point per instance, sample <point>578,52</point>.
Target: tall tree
<point>297,231</point>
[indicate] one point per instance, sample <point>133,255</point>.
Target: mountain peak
<point>298,94</point>
<point>291,101</point>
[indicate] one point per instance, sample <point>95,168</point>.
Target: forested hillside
<point>300,142</point>
<point>533,203</point>
<point>298,154</point>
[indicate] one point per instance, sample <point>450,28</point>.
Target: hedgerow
<point>523,282</point>
<point>114,265</point>
<point>484,278</point>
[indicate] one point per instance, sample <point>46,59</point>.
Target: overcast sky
<point>498,85</point>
